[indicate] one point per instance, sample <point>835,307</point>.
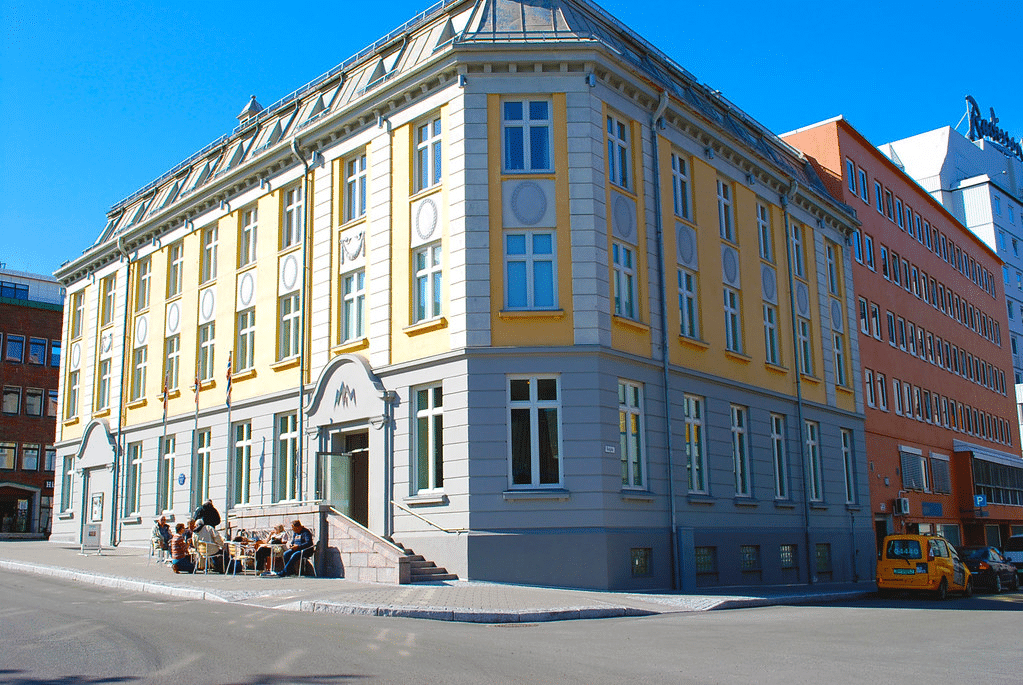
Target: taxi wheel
<point>968,592</point>
<point>998,584</point>
<point>1014,586</point>
<point>942,592</point>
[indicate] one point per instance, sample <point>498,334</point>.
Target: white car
<point>1014,552</point>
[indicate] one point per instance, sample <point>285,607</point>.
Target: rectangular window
<point>288,330</point>
<point>286,458</point>
<point>834,255</point>
<point>36,351</point>
<point>798,258</point>
<point>55,354</point>
<point>245,345</point>
<point>688,304</point>
<point>868,385</point>
<point>779,453</point>
<point>165,476</point>
<point>133,480</point>
<point>805,347</point>
<point>201,468</point>
<point>8,455</point>
<point>428,154</point>
<point>77,314</point>
<point>898,216</point>
<point>530,270</point>
<point>680,187</point>
<point>526,126</point>
<point>878,198</point>
<point>247,237</point>
<point>143,279</point>
<point>941,475</point>
<point>726,225</point>
<point>740,451</point>
<point>353,305</point>
<point>624,281</point>
<point>206,348</point>
<point>787,555</point>
<point>108,292</point>
<point>171,362</point>
<point>428,273</point>
<point>67,479</point>
<point>813,455</point>
<point>12,400</point>
<point>882,392</point>
<point>875,321</point>
<point>864,317</point>
<point>696,457</point>
<point>864,191</point>
<point>51,404</point>
<point>749,556</point>
<point>823,557</point>
<point>242,462</point>
<point>14,350</point>
<point>103,385</point>
<point>291,216</point>
<point>914,471</point>
<point>850,176</point>
<point>175,269</point>
<point>138,373</point>
<point>72,395</point>
<point>733,320</point>
<point>772,349</point>
<point>33,402</point>
<point>868,251</point>
<point>429,431</point>
<point>208,266</point>
<point>849,461</point>
<point>630,430</point>
<point>618,152</point>
<point>534,408</point>
<point>888,205</point>
<point>706,559</point>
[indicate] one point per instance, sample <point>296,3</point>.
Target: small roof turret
<point>250,110</point>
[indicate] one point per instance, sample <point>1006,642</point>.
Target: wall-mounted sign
<point>981,128</point>
<point>181,479</point>
<point>980,501</point>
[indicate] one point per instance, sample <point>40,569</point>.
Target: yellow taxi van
<point>921,563</point>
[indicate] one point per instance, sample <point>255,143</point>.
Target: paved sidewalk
<point>470,601</point>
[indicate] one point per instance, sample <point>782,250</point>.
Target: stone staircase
<point>422,570</point>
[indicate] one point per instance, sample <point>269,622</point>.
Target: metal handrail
<point>428,521</point>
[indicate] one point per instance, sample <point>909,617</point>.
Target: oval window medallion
<point>528,203</point>
<point>207,304</point>
<point>623,217</point>
<point>289,272</point>
<point>768,282</point>
<point>173,317</point>
<point>141,331</point>
<point>426,219</point>
<point>76,355</point>
<point>246,289</point>
<point>836,315</point>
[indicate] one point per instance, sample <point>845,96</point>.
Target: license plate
<point>904,571</point>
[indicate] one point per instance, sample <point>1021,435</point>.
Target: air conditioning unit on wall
<point>900,507</point>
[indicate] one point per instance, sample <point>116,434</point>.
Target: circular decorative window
<point>528,203</point>
<point>426,219</point>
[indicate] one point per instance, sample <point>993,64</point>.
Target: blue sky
<point>99,98</point>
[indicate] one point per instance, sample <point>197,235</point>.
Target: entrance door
<point>344,475</point>
<point>880,531</point>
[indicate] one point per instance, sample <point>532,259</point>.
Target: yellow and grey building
<point>508,287</point>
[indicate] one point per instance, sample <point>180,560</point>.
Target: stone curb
<point>473,616</point>
<point>115,582</point>
<point>751,602</point>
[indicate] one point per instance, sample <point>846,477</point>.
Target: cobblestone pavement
<point>132,569</point>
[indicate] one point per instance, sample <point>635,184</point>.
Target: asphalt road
<point>59,633</point>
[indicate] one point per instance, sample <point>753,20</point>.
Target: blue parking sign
<point>980,501</point>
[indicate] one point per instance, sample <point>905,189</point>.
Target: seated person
<point>181,561</point>
<point>210,536</point>
<point>162,532</point>
<point>301,545</point>
<point>277,536</point>
<point>208,513</point>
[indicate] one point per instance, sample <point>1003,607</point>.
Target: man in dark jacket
<point>208,513</point>
<point>300,547</point>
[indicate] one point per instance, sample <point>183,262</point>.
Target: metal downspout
<point>662,105</point>
<point>793,188</point>
<point>302,319</point>
<point>118,456</point>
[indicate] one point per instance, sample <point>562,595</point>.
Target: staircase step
<point>430,579</point>
<point>421,564</point>
<point>429,571</point>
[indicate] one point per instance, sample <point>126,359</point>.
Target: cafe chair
<point>310,556</point>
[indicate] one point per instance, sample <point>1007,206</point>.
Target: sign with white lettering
<point>980,501</point>
<point>980,128</point>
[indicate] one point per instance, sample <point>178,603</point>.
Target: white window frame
<point>245,340</point>
<point>77,314</point>
<point>201,468</point>
<point>291,216</point>
<point>286,456</point>
<point>780,457</point>
<point>103,384</point>
<point>849,463</point>
<point>428,439</point>
<point>67,483</point>
<point>534,405</point>
<point>815,476</point>
<point>740,451</point>
<point>207,349</point>
<point>175,269</point>
<point>355,187</point>
<point>882,392</point>
<point>726,218</point>
<point>143,281</point>
<point>428,263</point>
<point>696,452</point>
<point>165,475</point>
<point>108,303</point>
<point>631,433</point>
<point>534,265</point>
<point>210,240</point>
<point>733,319</point>
<point>764,232</point>
<point>289,329</point>
<point>834,254</point>
<point>241,435</point>
<point>798,256</point>
<point>133,481</point>
<point>624,282</point>
<point>140,356</point>
<point>172,361</point>
<point>868,385</point>
<point>805,339</point>
<point>688,303</point>
<point>353,305</point>
<point>618,152</point>
<point>680,186</point>
<point>772,343</point>
<point>428,155</point>
<point>71,403</point>
<point>247,233</point>
<point>840,370</point>
<point>534,134</point>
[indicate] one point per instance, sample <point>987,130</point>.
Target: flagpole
<point>195,443</point>
<point>168,481</point>
<point>230,440</point>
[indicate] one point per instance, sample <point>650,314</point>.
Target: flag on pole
<point>228,380</point>
<point>197,387</point>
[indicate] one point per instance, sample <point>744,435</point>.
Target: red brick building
<point>30,333</point>
<point>937,379</point>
